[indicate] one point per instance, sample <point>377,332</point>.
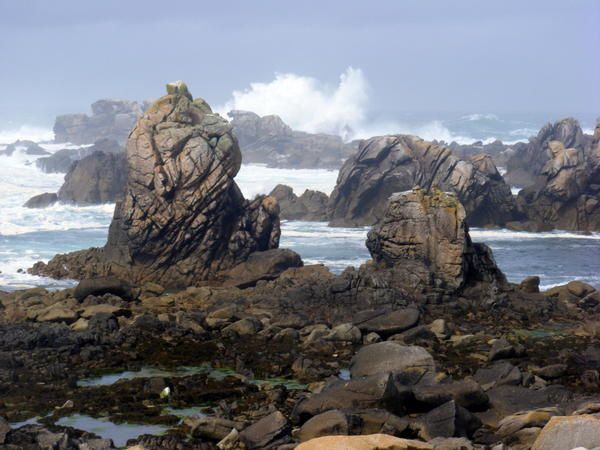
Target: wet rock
<point>212,428</point>
<point>268,431</point>
<point>502,349</point>
<point>425,234</point>
<point>497,374</point>
<point>525,419</point>
<point>103,285</point>
<point>243,328</point>
<point>386,357</point>
<point>569,432</point>
<point>266,265</point>
<point>447,420</point>
<point>62,160</point>
<point>345,333</point>
<point>4,429</point>
<point>41,201</point>
<point>97,444</point>
<point>369,442</point>
<point>386,323</point>
<point>389,164</point>
<point>182,220</point>
<point>550,372</point>
<point>467,393</point>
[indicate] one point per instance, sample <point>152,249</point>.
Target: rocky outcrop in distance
<point>29,148</point>
<point>566,193</point>
<point>112,119</point>
<point>268,140</point>
<point>62,160</point>
<point>310,206</point>
<point>182,219</point>
<point>388,164</point>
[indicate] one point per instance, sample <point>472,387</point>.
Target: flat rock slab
<point>386,323</point>
<point>388,357</point>
<point>569,432</point>
<point>369,442</point>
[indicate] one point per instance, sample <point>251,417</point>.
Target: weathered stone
<point>389,164</point>
<point>426,237</point>
<point>329,423</point>
<point>368,442</point>
<point>310,206</point>
<point>525,419</point>
<point>569,432</point>
<point>266,265</point>
<point>385,323</point>
<point>103,285</point>
<point>41,201</point>
<point>267,431</point>
<point>530,284</point>
<point>385,357</point>
<point>213,428</point>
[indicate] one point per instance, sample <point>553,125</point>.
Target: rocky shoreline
<point>191,329</point>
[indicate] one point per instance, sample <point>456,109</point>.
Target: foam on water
<point>25,132</point>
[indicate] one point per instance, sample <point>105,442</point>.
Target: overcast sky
<point>415,55</point>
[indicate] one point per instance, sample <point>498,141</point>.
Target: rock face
<point>388,164</point>
<point>41,201</point>
<point>98,178</point>
<point>269,140</point>
<point>182,219</point>
<point>110,119</point>
<point>310,206</point>
<point>529,159</point>
<point>62,160</point>
<point>426,237</point>
<point>566,195</point>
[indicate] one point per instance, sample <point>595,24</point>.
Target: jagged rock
<point>426,237</point>
<point>110,119</point>
<point>268,140</point>
<point>183,219</point>
<point>388,164</point>
<point>310,206</point>
<point>368,442</point>
<point>569,432</point>
<point>389,356</point>
<point>62,160</point>
<point>28,147</point>
<point>98,178</point>
<point>528,160</point>
<point>41,201</point>
<point>566,192</point>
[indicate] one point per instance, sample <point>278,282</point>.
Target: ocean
<point>29,235</point>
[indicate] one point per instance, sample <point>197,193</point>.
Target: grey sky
<point>417,55</point>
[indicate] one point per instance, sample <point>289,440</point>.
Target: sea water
<point>31,235</point>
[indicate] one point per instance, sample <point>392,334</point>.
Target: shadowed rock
<point>388,164</point>
<point>183,219</point>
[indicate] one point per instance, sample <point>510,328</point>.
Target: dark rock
<point>501,349</point>
<point>530,284</point>
<point>466,393</point>
<point>266,265</point>
<point>310,206</point>
<point>4,429</point>
<point>552,371</point>
<point>62,160</point>
<point>329,423</point>
<point>183,219</point>
<point>270,430</point>
<point>96,179</point>
<point>389,164</point>
<point>386,323</point>
<point>499,373</point>
<point>386,357</point>
<point>213,428</point>
<point>447,420</point>
<point>41,201</point>
<point>103,285</point>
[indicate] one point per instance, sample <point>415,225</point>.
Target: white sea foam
<point>504,234</point>
<point>258,179</point>
<point>26,132</point>
<point>477,116</point>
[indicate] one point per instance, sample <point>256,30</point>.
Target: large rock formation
<point>268,140</point>
<point>425,236</point>
<point>566,194</point>
<point>97,178</point>
<point>388,164</point>
<point>110,119</point>
<point>62,160</point>
<point>183,219</point>
<point>311,205</point>
<point>528,160</point>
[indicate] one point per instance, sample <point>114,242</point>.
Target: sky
<point>388,57</point>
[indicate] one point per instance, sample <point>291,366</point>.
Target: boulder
<point>310,206</point>
<point>425,235</point>
<point>530,284</point>
<point>62,160</point>
<point>41,201</point>
<point>329,423</point>
<point>103,285</point>
<point>213,428</point>
<point>389,356</point>
<point>386,323</point>
<point>266,265</point>
<point>446,421</point>
<point>4,429</point>
<point>182,220</point>
<point>569,432</point>
<point>368,442</point>
<point>389,164</point>
<point>268,431</point>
